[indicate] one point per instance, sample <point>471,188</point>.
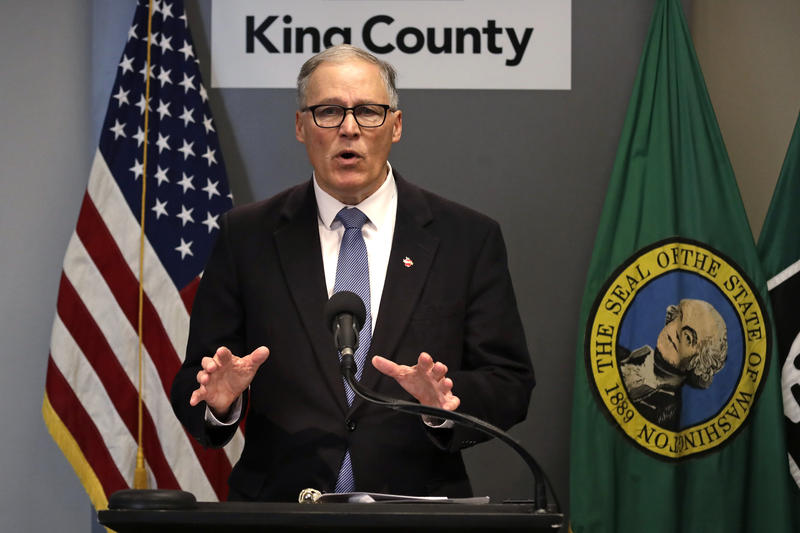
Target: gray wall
<point>536,161</point>
<point>44,163</point>
<point>749,51</point>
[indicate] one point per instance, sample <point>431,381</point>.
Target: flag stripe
<point>187,295</point>
<point>115,327</point>
<point>83,429</point>
<point>783,275</point>
<point>123,284</point>
<point>121,391</point>
<point>70,448</point>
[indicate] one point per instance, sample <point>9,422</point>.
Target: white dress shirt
<point>381,210</point>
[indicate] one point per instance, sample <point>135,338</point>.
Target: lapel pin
<point>407,262</point>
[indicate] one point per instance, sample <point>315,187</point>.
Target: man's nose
<point>349,125</point>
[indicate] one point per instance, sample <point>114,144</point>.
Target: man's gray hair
<point>711,354</point>
<point>345,52</point>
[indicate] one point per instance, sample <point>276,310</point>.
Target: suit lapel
<point>404,281</point>
<point>297,242</point>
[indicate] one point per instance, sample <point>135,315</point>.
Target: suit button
<point>351,424</point>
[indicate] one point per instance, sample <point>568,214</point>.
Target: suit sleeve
<point>217,320</point>
<point>496,377</point>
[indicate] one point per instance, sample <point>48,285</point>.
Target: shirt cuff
<point>437,423</point>
<point>231,419</point>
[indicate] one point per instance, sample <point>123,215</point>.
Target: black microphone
<point>345,314</point>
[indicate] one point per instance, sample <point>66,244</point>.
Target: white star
<point>154,37</point>
<point>164,76</point>
<point>160,208</point>
<point>165,43</point>
<point>143,72</point>
<point>162,142</point>
<point>187,116</point>
<point>121,96</point>
<point>139,136</point>
<point>184,19</point>
<point>137,169</point>
<point>187,83</point>
<point>230,195</point>
<point>185,248</point>
<point>203,93</point>
<point>211,222</point>
<point>209,155</point>
<point>186,182</point>
<point>142,103</point>
<point>163,109</point>
<point>118,129</point>
<point>132,33</point>
<point>126,64</point>
<point>186,149</point>
<point>187,50</point>
<point>207,124</point>
<point>186,215</point>
<point>156,6</point>
<point>211,188</point>
<point>166,11</point>
<point>161,175</point>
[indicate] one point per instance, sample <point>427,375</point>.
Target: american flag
<point>91,393</point>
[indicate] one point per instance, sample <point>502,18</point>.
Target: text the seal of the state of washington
<point>677,346</point>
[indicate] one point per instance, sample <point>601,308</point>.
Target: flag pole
<point>140,473</point>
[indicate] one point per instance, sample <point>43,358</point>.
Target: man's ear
<point>397,127</point>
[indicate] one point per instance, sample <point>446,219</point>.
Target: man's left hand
<point>425,381</point>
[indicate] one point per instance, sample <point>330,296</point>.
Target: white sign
<point>433,44</point>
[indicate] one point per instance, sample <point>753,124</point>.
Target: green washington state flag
<point>677,419</point>
<point>779,247</point>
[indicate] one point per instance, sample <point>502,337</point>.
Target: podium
<point>333,517</point>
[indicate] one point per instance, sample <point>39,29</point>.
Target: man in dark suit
<point>442,326</point>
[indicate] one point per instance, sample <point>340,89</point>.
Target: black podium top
<point>333,517</point>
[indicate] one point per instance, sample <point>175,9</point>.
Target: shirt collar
<point>375,206</point>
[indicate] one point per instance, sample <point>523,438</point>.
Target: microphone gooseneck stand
<point>541,482</point>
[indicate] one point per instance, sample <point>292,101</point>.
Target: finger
<point>209,364</point>
<point>258,356</point>
<point>439,370</point>
<point>452,403</point>
<point>202,377</point>
<point>447,385</point>
<point>197,396</point>
<point>425,362</point>
<point>223,355</point>
<point>384,366</point>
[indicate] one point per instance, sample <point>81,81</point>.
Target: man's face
<point>687,324</point>
<point>349,161</point>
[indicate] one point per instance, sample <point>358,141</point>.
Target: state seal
<point>677,347</point>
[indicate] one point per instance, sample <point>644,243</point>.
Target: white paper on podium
<point>315,496</point>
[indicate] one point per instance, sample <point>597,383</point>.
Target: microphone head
<point>345,302</point>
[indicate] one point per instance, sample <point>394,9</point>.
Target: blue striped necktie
<point>352,274</point>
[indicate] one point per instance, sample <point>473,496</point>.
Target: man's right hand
<point>224,377</point>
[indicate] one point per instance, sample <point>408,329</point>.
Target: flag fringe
<point>69,447</point>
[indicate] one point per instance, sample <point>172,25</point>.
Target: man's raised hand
<point>425,381</point>
<point>224,377</point>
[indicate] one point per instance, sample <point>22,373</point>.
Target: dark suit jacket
<point>264,285</point>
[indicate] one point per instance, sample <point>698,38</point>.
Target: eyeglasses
<point>332,116</point>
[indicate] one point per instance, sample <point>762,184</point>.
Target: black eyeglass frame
<point>386,108</point>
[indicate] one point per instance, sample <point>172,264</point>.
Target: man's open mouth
<point>348,155</point>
